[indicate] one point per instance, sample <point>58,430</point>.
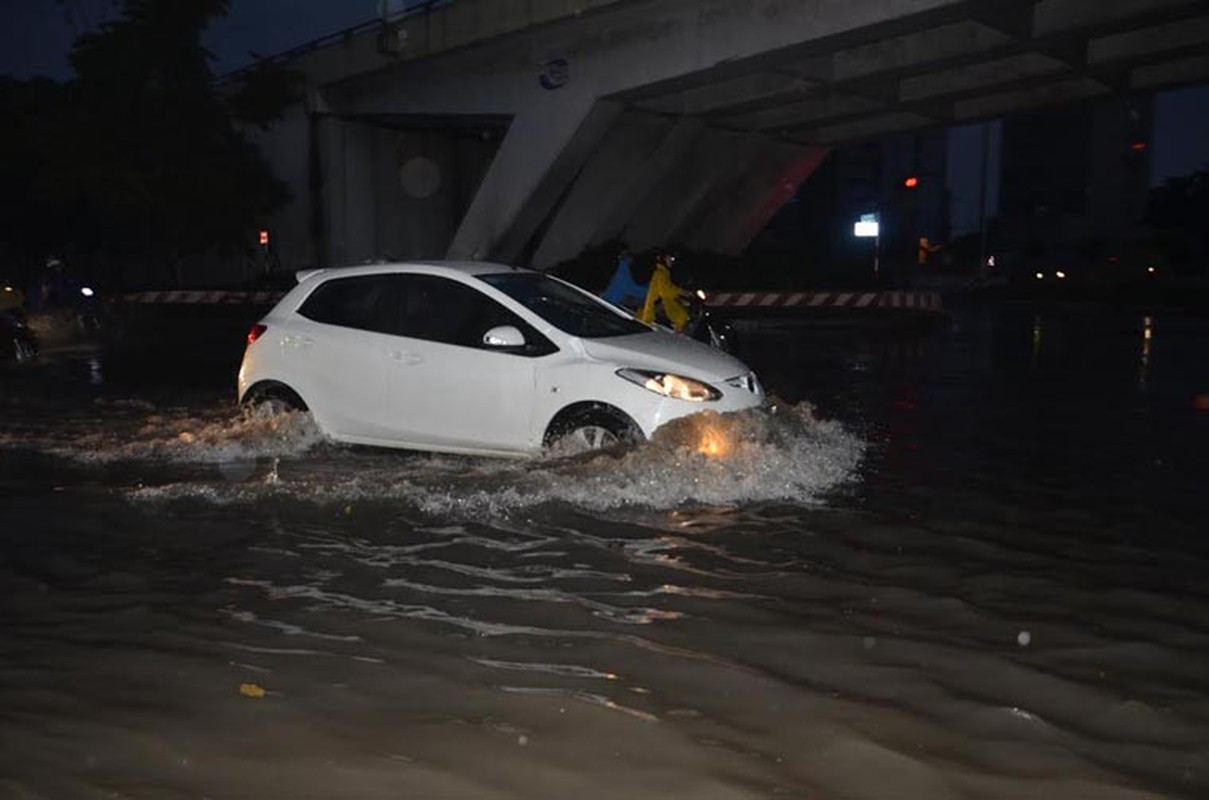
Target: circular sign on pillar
<point>420,177</point>
<point>555,74</point>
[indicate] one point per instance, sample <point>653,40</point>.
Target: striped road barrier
<point>216,297</point>
<point>917,301</point>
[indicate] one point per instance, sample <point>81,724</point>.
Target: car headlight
<point>677,387</point>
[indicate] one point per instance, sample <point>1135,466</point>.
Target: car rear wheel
<point>271,400</point>
<point>590,427</point>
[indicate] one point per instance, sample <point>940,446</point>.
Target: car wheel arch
<point>590,412</point>
<point>264,390</point>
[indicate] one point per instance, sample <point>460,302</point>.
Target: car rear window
<point>361,302</point>
<point>418,306</point>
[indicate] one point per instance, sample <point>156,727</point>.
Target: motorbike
<point>703,325</point>
<point>87,313</point>
<point>706,326</point>
<point>17,342</point>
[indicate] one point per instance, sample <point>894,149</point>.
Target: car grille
<point>746,382</point>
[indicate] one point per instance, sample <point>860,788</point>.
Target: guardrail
<point>415,9</point>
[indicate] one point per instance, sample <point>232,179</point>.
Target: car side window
<point>441,310</point>
<point>363,302</point>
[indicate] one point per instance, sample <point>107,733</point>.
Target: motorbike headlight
<point>676,387</point>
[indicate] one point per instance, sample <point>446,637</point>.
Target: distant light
<point>865,229</point>
<point>911,182</point>
<point>87,291</point>
<point>1040,275</point>
<point>1060,274</point>
<point>264,237</point>
<point>8,288</point>
<point>1138,147</point>
<point>1151,270</point>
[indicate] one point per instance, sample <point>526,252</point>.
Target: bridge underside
<point>677,121</point>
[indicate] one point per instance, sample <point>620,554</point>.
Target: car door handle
<point>297,340</point>
<point>408,359</point>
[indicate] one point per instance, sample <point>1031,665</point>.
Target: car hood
<point>665,352</point>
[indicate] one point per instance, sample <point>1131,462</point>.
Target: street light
<point>868,227</point>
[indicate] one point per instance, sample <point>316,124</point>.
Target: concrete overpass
<point>528,130</point>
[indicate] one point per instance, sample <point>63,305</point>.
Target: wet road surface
<point>967,563</point>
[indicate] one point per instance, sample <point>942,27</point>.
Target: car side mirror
<point>504,336</point>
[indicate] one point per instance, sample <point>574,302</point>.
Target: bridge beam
<point>664,120</point>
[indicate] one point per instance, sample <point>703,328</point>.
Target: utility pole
<point>982,197</point>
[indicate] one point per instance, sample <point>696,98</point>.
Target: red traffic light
<point>264,237</point>
<point>911,182</point>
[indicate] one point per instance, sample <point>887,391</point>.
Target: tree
<point>141,156</point>
<point>38,184</point>
<point>1176,212</point>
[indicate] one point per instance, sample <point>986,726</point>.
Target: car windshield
<point>567,308</point>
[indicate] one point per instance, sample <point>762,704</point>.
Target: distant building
<point>901,178</point>
<point>1075,175</point>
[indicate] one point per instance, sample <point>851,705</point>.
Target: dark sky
<point>36,35</point>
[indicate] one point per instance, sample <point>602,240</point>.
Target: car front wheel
<point>590,427</point>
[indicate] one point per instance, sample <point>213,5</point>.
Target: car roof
<point>434,267</point>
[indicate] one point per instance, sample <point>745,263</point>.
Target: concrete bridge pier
<point>542,156</point>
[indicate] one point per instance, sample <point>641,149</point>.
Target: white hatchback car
<point>478,358</point>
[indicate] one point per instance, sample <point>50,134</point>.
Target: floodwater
<point>967,563</point>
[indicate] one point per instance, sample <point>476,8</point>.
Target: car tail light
<point>256,331</point>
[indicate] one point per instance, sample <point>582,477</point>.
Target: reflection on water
<point>954,566</point>
<point>1144,365</point>
<point>1038,330</point>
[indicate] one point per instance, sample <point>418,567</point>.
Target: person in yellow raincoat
<point>925,249</point>
<point>663,290</point>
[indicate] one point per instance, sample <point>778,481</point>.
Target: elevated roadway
<point>528,130</point>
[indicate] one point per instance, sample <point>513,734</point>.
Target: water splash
<point>708,459</point>
<point>704,459</point>
<point>125,430</point>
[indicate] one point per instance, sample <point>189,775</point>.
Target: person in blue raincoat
<point>623,290</point>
